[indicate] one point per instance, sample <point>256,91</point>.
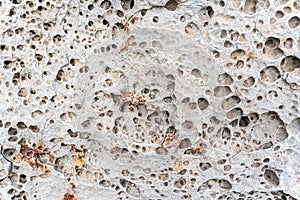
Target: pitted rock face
<point>163,99</point>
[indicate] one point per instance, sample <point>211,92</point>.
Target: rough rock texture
<point>158,99</point>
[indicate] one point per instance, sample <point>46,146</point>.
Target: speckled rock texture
<point>150,99</point>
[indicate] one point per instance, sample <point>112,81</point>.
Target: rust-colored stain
<point>198,149</point>
<point>32,156</point>
<point>68,196</point>
<point>72,185</point>
<point>78,158</point>
<point>178,165</point>
<point>169,137</point>
<point>134,19</point>
<point>17,75</point>
<point>73,148</point>
<point>251,53</point>
<point>133,98</point>
<point>79,161</point>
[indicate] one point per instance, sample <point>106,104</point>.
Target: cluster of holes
<point>164,129</point>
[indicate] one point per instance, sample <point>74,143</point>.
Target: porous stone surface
<point>157,99</point>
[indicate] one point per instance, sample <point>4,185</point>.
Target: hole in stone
<point>171,5</point>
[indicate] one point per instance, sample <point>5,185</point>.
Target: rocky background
<point>157,99</point>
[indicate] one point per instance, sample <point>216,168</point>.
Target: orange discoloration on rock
<point>251,53</point>
<point>79,161</point>
<point>79,155</point>
<point>170,137</point>
<point>133,98</point>
<point>73,148</point>
<point>178,165</point>
<point>135,18</point>
<point>198,149</point>
<point>73,185</point>
<point>131,109</point>
<point>17,75</point>
<point>32,156</point>
<point>68,196</point>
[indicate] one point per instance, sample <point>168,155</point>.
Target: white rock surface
<point>158,99</point>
